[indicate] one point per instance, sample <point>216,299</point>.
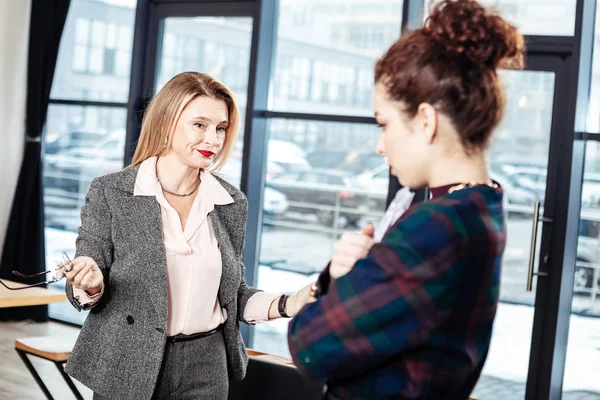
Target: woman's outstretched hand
<point>84,273</point>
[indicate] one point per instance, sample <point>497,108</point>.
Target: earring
<point>166,141</point>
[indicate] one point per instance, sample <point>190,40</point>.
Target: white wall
<point>14,43</point>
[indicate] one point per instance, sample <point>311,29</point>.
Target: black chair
<point>274,378</point>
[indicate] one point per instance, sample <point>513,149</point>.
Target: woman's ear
<point>427,121</point>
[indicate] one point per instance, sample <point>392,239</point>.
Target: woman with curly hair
<point>410,317</point>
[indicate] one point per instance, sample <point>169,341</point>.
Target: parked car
<point>58,143</point>
<point>73,170</point>
<point>527,178</point>
<point>590,191</point>
<point>375,184</point>
<point>517,200</point>
<point>533,178</point>
<point>350,161</point>
<point>377,179</point>
<point>275,204</point>
<point>588,263</point>
<point>287,155</point>
<point>67,176</point>
<point>318,191</point>
<point>232,170</point>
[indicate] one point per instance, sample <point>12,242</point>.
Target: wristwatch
<point>314,290</point>
<point>281,306</point>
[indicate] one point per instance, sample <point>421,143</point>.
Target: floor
<point>15,381</point>
<point>490,388</point>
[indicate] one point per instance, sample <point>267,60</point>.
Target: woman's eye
<point>221,129</point>
<point>199,125</point>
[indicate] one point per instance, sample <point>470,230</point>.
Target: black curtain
<point>24,248</point>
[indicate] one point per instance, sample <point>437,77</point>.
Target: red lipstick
<point>206,153</point>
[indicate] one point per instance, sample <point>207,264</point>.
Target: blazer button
<point>130,320</point>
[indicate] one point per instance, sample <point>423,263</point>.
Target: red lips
<point>206,153</point>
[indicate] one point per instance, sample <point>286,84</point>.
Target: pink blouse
<point>193,259</point>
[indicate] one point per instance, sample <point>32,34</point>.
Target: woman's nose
<point>380,148</point>
<point>212,137</point>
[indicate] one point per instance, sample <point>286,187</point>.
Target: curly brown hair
<point>451,63</point>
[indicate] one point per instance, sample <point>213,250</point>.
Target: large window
<point>583,351</point>
<point>94,62</point>
<point>534,17</point>
<point>326,51</point>
<point>83,141</point>
<point>322,177</point>
<point>593,123</point>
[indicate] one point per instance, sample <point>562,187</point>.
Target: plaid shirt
<point>412,320</point>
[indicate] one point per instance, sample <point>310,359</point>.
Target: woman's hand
<point>296,302</point>
<point>84,273</point>
<point>349,249</point>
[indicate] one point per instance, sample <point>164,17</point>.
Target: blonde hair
<point>165,108</point>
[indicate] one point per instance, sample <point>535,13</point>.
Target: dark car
<point>67,176</point>
<point>351,161</point>
<point>323,192</point>
<point>71,140</point>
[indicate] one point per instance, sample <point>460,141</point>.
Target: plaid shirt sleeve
<point>389,302</point>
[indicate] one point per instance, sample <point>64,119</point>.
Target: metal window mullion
<point>262,57</point>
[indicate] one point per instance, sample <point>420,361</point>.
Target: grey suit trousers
<point>196,369</point>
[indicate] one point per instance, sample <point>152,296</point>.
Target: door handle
<point>534,231</point>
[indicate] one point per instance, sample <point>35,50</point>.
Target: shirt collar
<point>443,190</point>
<point>146,184</point>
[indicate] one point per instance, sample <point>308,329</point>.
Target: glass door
<point>207,38</point>
<point>519,161</point>
<point>583,346</point>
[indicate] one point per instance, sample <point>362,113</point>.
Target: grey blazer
<point>120,348</point>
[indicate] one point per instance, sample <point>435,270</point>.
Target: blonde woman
<point>159,258</point>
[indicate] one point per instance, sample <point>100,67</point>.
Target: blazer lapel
<point>154,274</point>
<point>144,221</point>
<point>230,277</point>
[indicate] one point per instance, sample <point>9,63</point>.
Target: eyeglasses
<point>65,265</point>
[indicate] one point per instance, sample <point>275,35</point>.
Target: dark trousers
<point>191,370</point>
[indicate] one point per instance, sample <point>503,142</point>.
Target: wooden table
<point>28,297</point>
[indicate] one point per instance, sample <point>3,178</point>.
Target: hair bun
<point>465,27</point>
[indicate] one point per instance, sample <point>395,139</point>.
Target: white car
<point>287,155</point>
<point>275,203</point>
<point>376,181</point>
<point>513,194</point>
